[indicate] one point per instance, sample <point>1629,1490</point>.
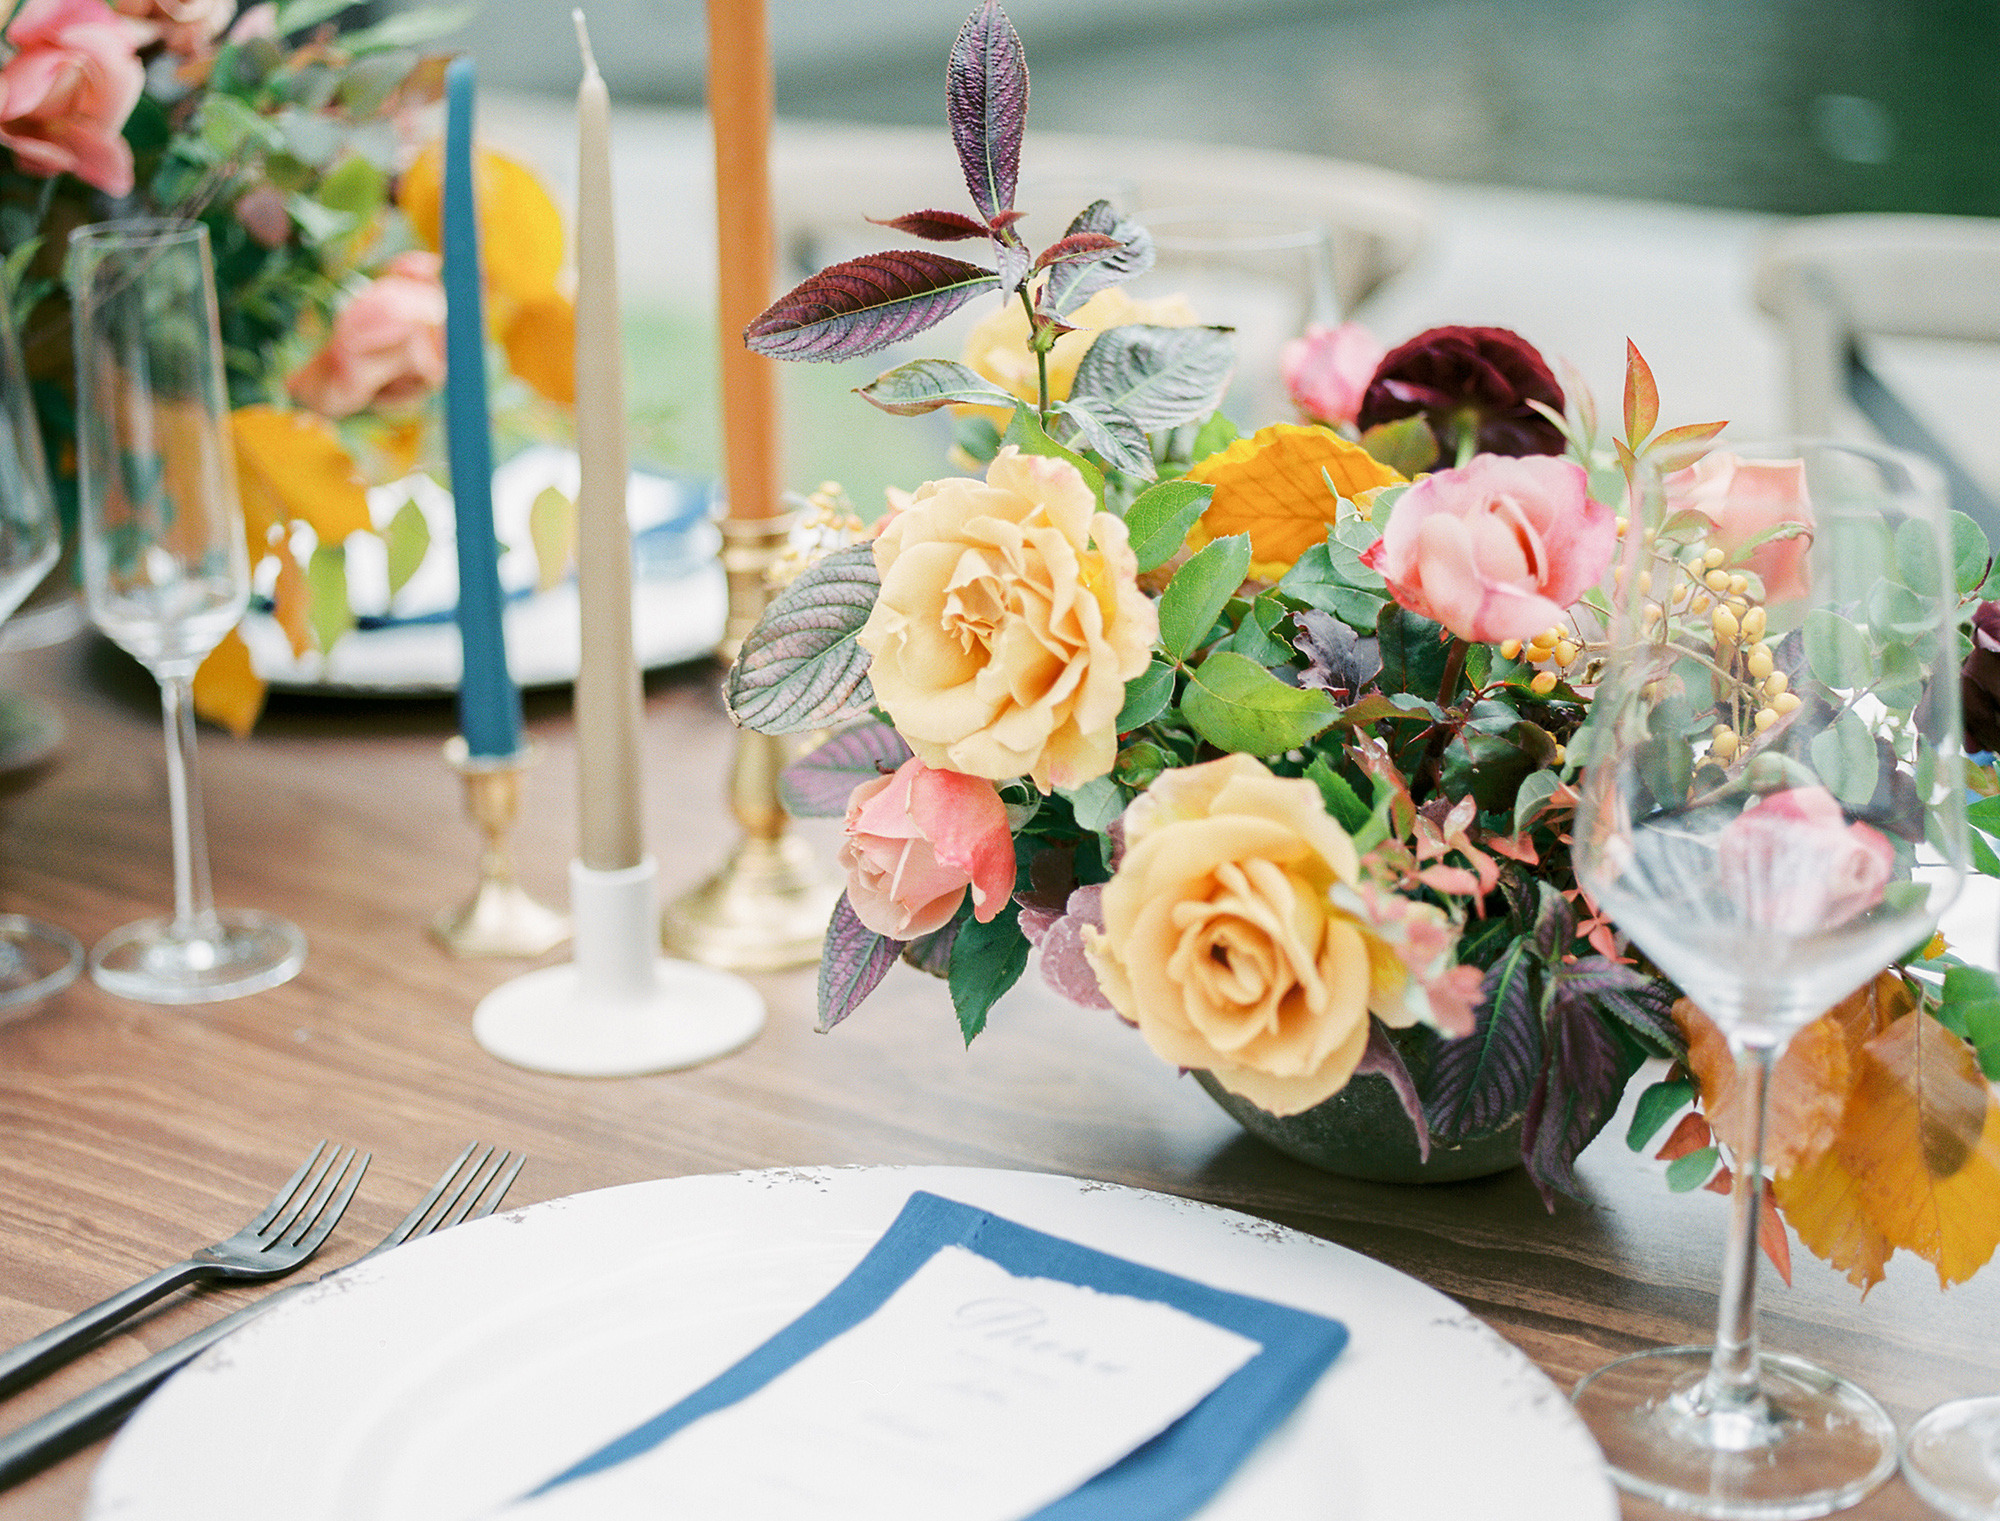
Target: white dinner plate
<point>458,1372</point>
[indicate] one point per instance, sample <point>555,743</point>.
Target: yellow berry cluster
<point>1555,646</point>
<point>1758,694</point>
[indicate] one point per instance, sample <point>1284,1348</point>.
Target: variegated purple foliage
<point>1054,913</point>
<point>1073,282</point>
<point>1381,1057</point>
<point>818,784</point>
<point>801,668</point>
<point>863,305</point>
<point>1338,660</point>
<point>986,101</point>
<point>1480,1082</point>
<point>852,964</point>
<point>936,226</point>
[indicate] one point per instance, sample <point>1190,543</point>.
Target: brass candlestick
<point>499,919</point>
<point>768,906</point>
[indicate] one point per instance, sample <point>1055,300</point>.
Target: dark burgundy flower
<point>1979,681</point>
<point>1476,378</point>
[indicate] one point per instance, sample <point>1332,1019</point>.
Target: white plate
<point>453,1374</point>
<point>408,644</point>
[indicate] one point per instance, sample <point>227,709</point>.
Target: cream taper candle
<point>607,683</point>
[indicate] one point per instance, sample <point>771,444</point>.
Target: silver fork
<point>291,1228</point>
<point>471,1187</point>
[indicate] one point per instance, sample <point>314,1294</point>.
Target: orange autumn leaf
<point>540,340</point>
<point>291,603</point>
<point>520,230</point>
<point>227,690</point>
<point>1771,1234</point>
<point>1688,1137</point>
<point>1273,486</point>
<point>292,465</point>
<point>1922,1137</point>
<point>1824,1206</point>
<point>1808,1088</point>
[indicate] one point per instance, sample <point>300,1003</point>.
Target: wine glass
<point>1771,810</point>
<point>35,959</point>
<point>166,568</point>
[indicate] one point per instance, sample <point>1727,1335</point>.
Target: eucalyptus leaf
<point>1836,651</point>
<point>1235,704</point>
<point>1200,589</point>
<point>1159,377</point>
<point>1971,556</point>
<point>1920,557</point>
<point>1846,759</point>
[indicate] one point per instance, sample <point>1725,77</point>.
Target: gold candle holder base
<point>767,908</point>
<point>499,919</point>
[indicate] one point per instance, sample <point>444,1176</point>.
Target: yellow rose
<point>1223,940</point>
<point>1008,623</point>
<point>998,347</point>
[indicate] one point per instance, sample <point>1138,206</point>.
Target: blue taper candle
<point>489,705</point>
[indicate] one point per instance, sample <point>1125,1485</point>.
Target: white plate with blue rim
<point>406,643</point>
<point>445,1378</point>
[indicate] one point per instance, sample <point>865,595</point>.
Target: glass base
<point>1952,1458</point>
<point>237,951</point>
<point>1813,1444</point>
<point>36,960</point>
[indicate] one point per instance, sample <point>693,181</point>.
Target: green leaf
<point>1147,696</point>
<point>1982,1027</point>
<point>1117,440</point>
<point>986,960</point>
<point>1235,704</point>
<point>1686,1174</point>
<point>1919,557</point>
<point>924,385</point>
<point>229,128</point>
<point>1200,589</point>
<point>1971,556</point>
<point>800,668</point>
<point>408,541</point>
<point>356,187</point>
<point>1159,377</point>
<point>1026,434</point>
<point>297,15</point>
<point>1846,759</point>
<point>1096,804</point>
<point>1259,636</point>
<point>1836,650</point>
<point>1331,577</point>
<point>1160,518</point>
<point>326,579</point>
<point>1537,787</point>
<point>1215,434</point>
<point>1896,611</point>
<point>408,29</point>
<point>1658,1104</point>
<point>1343,803</point>
<point>977,436</point>
<point>1406,445</point>
<point>1412,653</point>
<point>552,531</point>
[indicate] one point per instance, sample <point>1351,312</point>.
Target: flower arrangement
<point>301,149</point>
<point>1267,743</point>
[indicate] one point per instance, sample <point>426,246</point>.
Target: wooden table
<point>130,1134</point>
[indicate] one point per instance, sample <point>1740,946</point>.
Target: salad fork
<point>470,1188</point>
<point>291,1228</point>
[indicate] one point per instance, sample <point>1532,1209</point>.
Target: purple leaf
<point>854,960</point>
<point>818,783</point>
<point>801,668</point>
<point>1338,660</point>
<point>1065,967</point>
<point>986,98</point>
<point>936,226</point>
<point>1072,284</point>
<point>1482,1080</point>
<point>1574,1095</point>
<point>1381,1057</point>
<point>1555,923</point>
<point>866,304</point>
<point>1011,254</point>
<point>932,953</point>
<point>1643,1004</point>
<point>1074,246</point>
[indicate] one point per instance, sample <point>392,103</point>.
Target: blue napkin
<point>1166,1479</point>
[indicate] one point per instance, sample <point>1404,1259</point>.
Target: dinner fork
<point>291,1228</point>
<point>470,1188</point>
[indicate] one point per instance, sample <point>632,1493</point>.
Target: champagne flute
<point>35,959</point>
<point>166,568</point>
<point>1758,837</point>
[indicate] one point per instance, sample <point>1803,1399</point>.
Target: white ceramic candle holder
<point>619,1008</point>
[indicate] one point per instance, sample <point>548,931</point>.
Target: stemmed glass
<point>1771,748</point>
<point>35,959</point>
<point>166,568</point>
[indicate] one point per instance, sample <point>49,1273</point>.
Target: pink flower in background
<point>916,840</point>
<point>1328,370</point>
<point>1744,498</point>
<point>66,92</point>
<point>1793,863</point>
<point>1497,549</point>
<point>387,345</point>
<point>260,20</point>
<point>187,27</point>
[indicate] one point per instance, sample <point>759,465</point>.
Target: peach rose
<point>1328,370</point>
<point>1744,498</point>
<point>1008,623</point>
<point>187,27</point>
<point>1497,549</point>
<point>1792,863</point>
<point>387,345</point>
<point>1224,940</point>
<point>916,840</point>
<point>66,92</point>
<point>998,347</point>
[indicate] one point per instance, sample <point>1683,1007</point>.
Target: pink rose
<point>1497,549</point>
<point>1744,498</point>
<point>66,92</point>
<point>1793,864</point>
<point>187,27</point>
<point>387,345</point>
<point>1328,370</point>
<point>260,20</point>
<point>916,840</point>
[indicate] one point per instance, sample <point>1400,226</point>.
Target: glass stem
<point>194,899</point>
<point>1732,1382</point>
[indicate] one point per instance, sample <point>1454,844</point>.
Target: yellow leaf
<point>1823,1204</point>
<point>1273,486</point>
<point>540,339</point>
<point>292,603</point>
<point>1922,1137</point>
<point>1808,1088</point>
<point>552,529</point>
<point>291,464</point>
<point>520,230</point>
<point>227,691</point>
